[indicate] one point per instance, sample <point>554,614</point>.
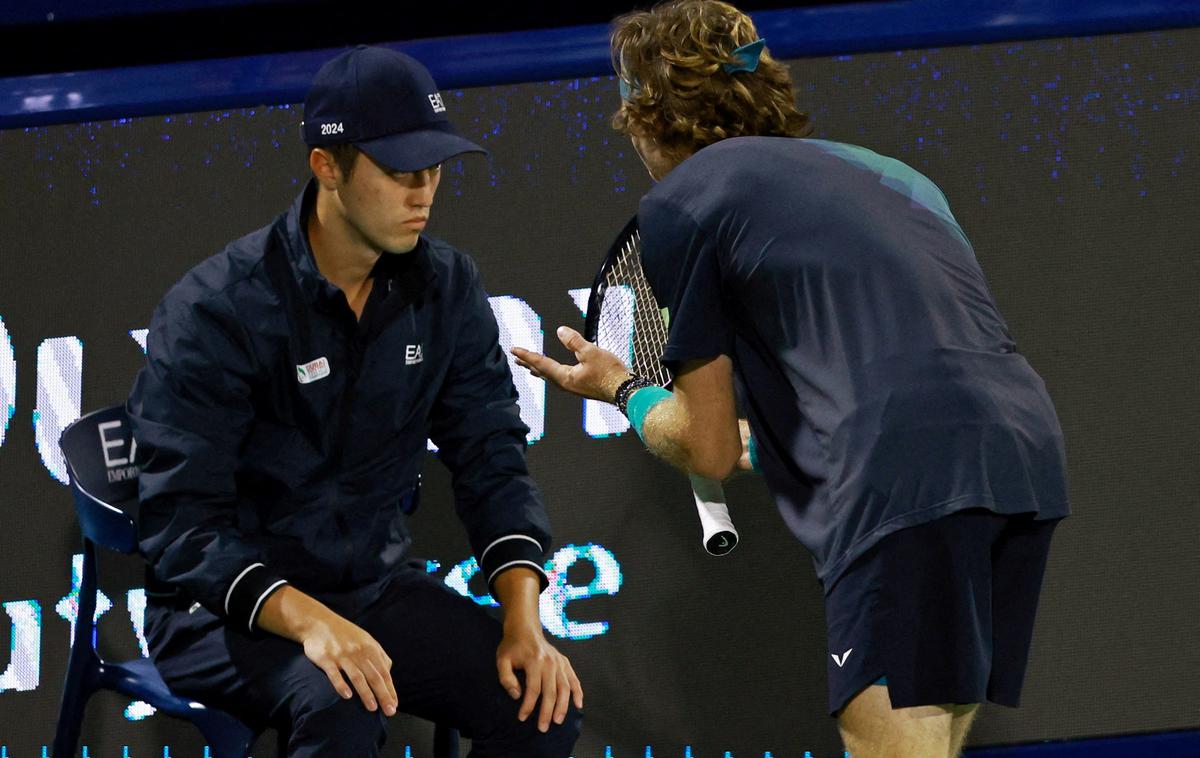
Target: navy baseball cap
<point>386,104</point>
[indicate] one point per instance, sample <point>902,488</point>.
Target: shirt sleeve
<point>190,410</point>
<point>682,264</point>
<point>477,427</point>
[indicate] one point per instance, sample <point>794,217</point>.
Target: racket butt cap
<point>721,543</point>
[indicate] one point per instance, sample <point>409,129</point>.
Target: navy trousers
<point>443,648</point>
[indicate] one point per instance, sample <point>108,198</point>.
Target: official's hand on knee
<point>338,647</point>
<point>548,675</point>
<point>352,658</point>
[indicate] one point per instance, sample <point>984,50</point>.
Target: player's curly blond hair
<point>671,59</point>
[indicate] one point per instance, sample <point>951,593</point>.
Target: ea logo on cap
<point>436,101</point>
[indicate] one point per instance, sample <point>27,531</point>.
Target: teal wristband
<point>752,448</point>
<point>640,404</point>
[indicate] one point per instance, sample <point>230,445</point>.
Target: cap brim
<point>413,151</point>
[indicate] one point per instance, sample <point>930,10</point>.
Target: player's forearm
<point>663,433</point>
<point>668,432</point>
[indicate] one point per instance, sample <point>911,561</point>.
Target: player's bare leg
<point>871,728</point>
<point>964,716</point>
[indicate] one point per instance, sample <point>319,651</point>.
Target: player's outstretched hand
<point>597,374</point>
<point>548,675</point>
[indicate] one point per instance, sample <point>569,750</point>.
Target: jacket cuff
<point>513,551</point>
<point>246,595</point>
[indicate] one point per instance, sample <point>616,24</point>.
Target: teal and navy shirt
<point>882,385</point>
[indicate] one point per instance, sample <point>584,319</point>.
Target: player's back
<point>864,333</point>
<point>865,238</point>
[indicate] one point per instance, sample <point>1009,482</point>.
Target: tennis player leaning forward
<point>831,293</point>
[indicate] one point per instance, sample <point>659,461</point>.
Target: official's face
<point>388,208</point>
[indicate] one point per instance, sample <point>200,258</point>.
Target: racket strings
<point>635,319</point>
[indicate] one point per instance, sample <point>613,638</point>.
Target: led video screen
<point>1070,163</point>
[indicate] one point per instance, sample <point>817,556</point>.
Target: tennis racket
<point>624,318</point>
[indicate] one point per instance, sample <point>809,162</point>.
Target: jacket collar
<point>413,272</point>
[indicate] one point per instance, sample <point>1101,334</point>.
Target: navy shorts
<point>943,610</point>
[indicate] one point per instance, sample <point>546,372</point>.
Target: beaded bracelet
<point>626,389</point>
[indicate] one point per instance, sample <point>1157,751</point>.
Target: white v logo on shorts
<point>841,661</point>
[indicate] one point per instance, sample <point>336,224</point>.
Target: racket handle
<point>719,534</point>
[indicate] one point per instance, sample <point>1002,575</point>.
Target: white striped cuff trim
<point>537,569</point>
<point>240,576</point>
<point>483,555</point>
<point>261,598</point>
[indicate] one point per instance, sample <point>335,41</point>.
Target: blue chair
<point>104,486</point>
<point>103,478</point>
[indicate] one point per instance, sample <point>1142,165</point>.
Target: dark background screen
<point>1070,163</point>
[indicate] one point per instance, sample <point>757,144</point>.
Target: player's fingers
<point>528,366</point>
<point>527,358</point>
<point>523,355</point>
<point>508,678</point>
<point>573,341</point>
<point>542,366</point>
<point>533,688</point>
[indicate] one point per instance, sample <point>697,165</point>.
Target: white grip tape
<point>720,536</point>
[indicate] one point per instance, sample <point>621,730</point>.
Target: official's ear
<point>324,168</point>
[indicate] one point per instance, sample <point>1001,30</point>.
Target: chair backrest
<point>99,450</point>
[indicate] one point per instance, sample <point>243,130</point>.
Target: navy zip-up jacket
<point>281,439</point>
